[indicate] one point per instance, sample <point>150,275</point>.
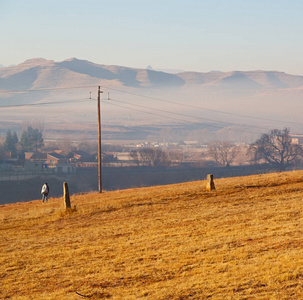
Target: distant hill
<point>243,80</point>
<point>41,73</point>
<point>266,94</point>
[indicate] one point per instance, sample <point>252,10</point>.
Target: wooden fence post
<point>210,185</point>
<point>66,196</point>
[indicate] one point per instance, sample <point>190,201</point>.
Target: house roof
<point>38,156</point>
<point>81,153</point>
<point>102,154</point>
<point>56,155</point>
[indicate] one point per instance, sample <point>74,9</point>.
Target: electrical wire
<point>182,120</point>
<point>141,106</point>
<point>48,89</point>
<point>46,103</point>
<point>155,109</point>
<point>203,108</point>
<point>191,116</point>
<point>153,98</point>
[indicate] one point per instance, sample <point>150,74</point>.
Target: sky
<point>190,35</point>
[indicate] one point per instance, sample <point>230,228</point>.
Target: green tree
<point>31,139</point>
<point>2,154</point>
<point>15,137</point>
<point>10,143</point>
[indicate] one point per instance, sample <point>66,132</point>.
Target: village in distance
<point>168,157</point>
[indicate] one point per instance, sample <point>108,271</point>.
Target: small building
<point>35,161</point>
<point>297,139</point>
<point>48,162</point>
<point>122,156</point>
<point>55,159</point>
<point>35,156</point>
<point>81,156</point>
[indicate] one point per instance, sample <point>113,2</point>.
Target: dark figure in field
<point>44,192</point>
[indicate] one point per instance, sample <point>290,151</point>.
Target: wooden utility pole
<point>99,143</point>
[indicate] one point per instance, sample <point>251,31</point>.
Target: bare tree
<point>66,145</point>
<point>50,146</point>
<point>276,149</point>
<point>134,157</point>
<point>222,152</point>
<point>88,146</point>
<point>176,157</point>
<point>151,157</point>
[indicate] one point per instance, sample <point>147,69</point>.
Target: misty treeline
<point>201,134</point>
<point>223,152</point>
<point>32,140</point>
<point>275,148</point>
<point>156,157</point>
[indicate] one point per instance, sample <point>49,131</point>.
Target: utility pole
<point>99,143</point>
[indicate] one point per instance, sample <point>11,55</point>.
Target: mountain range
<point>213,97</point>
<point>40,73</point>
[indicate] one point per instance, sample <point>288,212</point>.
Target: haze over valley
<point>63,94</point>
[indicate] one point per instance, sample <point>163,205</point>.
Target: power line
<point>150,97</point>
<point>191,116</point>
<point>48,89</point>
<point>178,119</point>
<point>203,108</point>
<point>185,115</point>
<point>164,111</point>
<point>46,103</point>
<point>72,140</point>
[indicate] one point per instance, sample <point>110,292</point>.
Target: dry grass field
<point>242,241</point>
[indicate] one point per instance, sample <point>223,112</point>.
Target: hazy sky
<point>193,35</point>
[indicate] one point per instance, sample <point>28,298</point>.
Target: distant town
<point>29,155</point>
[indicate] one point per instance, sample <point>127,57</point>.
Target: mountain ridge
<point>266,94</point>
<point>41,73</point>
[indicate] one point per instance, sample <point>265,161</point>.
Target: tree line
<point>155,157</point>
<point>274,148</point>
<point>31,140</point>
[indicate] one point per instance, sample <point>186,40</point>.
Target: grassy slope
<point>243,241</point>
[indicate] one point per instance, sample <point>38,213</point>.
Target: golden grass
<point>243,241</point>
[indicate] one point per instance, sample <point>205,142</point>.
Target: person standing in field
<point>44,192</point>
